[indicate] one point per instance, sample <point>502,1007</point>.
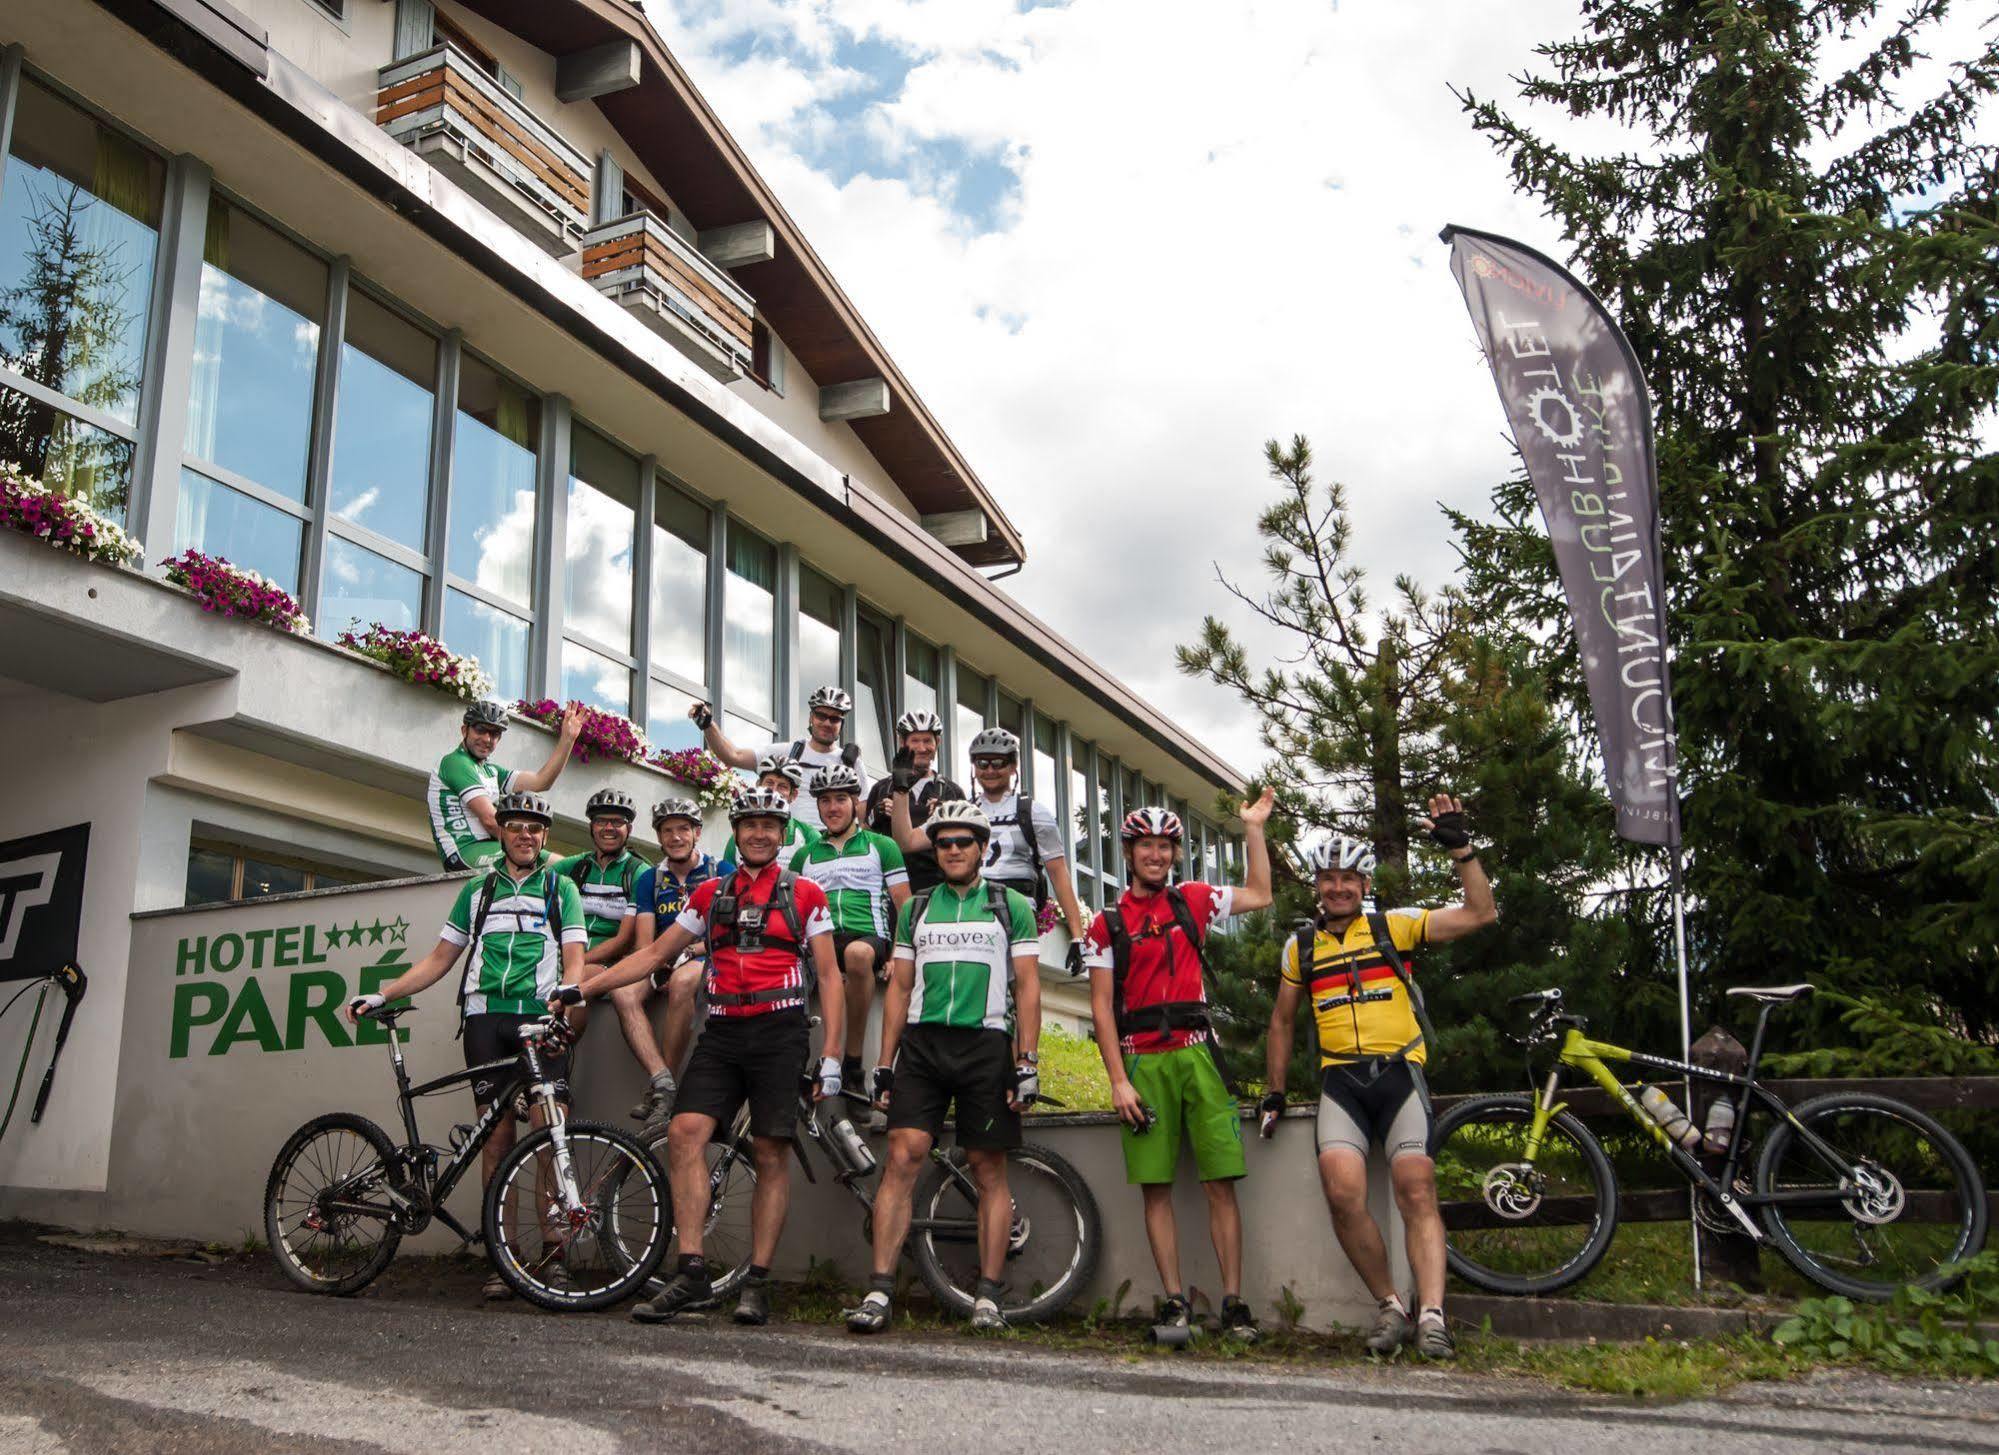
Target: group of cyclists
<point>833,889</point>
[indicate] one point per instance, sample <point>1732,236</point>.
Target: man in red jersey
<point>763,926</point>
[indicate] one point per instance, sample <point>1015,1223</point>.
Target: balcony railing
<point>673,289</point>
<point>445,108</point>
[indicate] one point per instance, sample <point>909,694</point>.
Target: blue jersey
<point>663,894</point>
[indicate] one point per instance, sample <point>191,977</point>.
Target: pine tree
<point>1804,262</point>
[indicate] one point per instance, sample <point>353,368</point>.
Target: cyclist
<point>1149,1004</point>
<point>1026,852</point>
<point>826,715</point>
<point>960,1024</point>
<point>782,776</point>
<point>662,894</point>
<point>768,934</point>
<point>899,804</point>
<point>1372,1047</point>
<point>524,923</point>
<point>607,877</point>
<point>865,882</point>
<point>466,780</point>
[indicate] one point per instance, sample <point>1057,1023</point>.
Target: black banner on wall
<point>41,901</point>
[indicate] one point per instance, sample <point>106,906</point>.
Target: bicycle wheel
<point>326,1207</point>
<point>725,1237</point>
<point>1517,1226</point>
<point>601,1253</point>
<point>1913,1206</point>
<point>1053,1244</point>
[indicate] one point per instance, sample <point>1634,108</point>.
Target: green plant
<point>1916,1330</point>
<point>1289,1309</point>
<point>1887,1042</point>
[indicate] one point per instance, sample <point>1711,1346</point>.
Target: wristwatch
<point>1031,1058</point>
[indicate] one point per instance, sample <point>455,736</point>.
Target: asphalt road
<point>108,1354</point>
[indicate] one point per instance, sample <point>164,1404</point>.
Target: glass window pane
<point>498,639</point>
<point>603,508</point>
<point>873,674</point>
<point>490,540</point>
<point>1012,715</point>
<point>680,584</point>
<point>667,723</point>
<point>381,444</point>
<point>228,524</point>
<point>79,220</point>
<point>923,663</point>
<point>211,876</point>
<point>971,716</point>
<point>66,454</point>
<point>749,624</point>
<point>1082,830</point>
<point>1107,845</point>
<point>261,878</point>
<point>1134,790</point>
<point>256,352</point>
<point>597,680</point>
<point>363,589</point>
<point>819,609</point>
<point>1212,856</point>
<point>1046,784</point>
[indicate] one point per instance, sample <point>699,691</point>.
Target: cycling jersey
<point>796,836</point>
<point>774,964</point>
<point>517,963</point>
<point>609,891</point>
<point>857,877</point>
<point>806,809</point>
<point>1359,1002</point>
<point>663,893</point>
<point>1164,968</point>
<point>924,796</point>
<point>1006,856</point>
<point>963,955</point>
<point>455,782</point>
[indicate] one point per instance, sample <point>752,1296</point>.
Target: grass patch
<point>1072,1071</point>
<point>1653,1263</point>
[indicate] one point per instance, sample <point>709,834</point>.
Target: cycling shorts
<point>1380,1100</point>
<point>970,1065</point>
<point>474,855</point>
<point>1184,1088</point>
<point>495,1036</point>
<point>759,1059</point>
<point>842,939</point>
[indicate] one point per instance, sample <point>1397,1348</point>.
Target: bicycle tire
<point>738,1188</point>
<point>628,1269</point>
<point>1973,1216</point>
<point>1516,1111</point>
<point>1027,1306</point>
<point>280,1237</point>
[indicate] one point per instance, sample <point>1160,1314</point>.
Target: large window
<point>819,611</point>
<point>749,627</point>
<point>597,572</point>
<point>874,687</point>
<point>971,716</point>
<point>923,665</point>
<point>1080,830</point>
<point>679,586</point>
<point>1047,785</point>
<point>79,218</point>
<point>490,538</point>
<point>1109,863</point>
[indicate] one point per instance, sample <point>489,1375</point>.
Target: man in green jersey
<point>866,883</point>
<point>607,878</point>
<point>781,776</point>
<point>466,781</point>
<point>951,1032</point>
<point>524,924</point>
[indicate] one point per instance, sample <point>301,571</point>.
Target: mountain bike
<point>1053,1243</point>
<point>576,1216</point>
<point>1860,1193</point>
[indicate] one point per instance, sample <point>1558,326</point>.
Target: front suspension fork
<point>1545,1107</point>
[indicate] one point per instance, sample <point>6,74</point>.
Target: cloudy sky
<point>1117,245</point>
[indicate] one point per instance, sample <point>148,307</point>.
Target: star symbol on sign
<point>399,930</point>
<point>354,933</point>
<point>333,937</point>
<point>375,932</point>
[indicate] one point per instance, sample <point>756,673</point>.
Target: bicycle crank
<point>1513,1190</point>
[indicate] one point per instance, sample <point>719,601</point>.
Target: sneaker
<point>873,1316</point>
<point>1391,1330</point>
<point>1433,1336</point>
<point>1238,1322</point>
<point>656,1110</point>
<point>753,1303</point>
<point>986,1317</point>
<point>682,1292</point>
<point>496,1290</point>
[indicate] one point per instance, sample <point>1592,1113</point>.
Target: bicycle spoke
<point>1510,1219</point>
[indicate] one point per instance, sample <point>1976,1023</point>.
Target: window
<point>337,9</point>
<point>749,627</point>
<point>971,716</point>
<point>79,233</point>
<point>594,678</point>
<point>679,585</point>
<point>381,441</point>
<point>640,198</point>
<point>218,521</point>
<point>362,588</point>
<point>766,357</point>
<point>597,557</point>
<point>1012,716</point>
<point>1108,863</point>
<point>1079,828</point>
<point>448,32</point>
<point>923,665</point>
<point>874,681</point>
<point>820,605</point>
<point>218,873</point>
<point>1047,785</point>
<point>499,639</point>
<point>667,723</point>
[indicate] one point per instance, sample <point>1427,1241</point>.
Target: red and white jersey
<point>1164,967</point>
<point>780,964</point>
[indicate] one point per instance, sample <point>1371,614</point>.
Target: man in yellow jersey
<point>1372,1032</point>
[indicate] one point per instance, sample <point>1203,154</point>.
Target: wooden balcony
<point>449,111</point>
<point>675,291</point>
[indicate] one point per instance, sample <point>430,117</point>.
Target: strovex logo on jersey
<point>282,988</point>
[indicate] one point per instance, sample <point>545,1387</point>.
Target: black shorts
<point>1376,1101</point>
<point>937,1065</point>
<point>755,1058</point>
<point>495,1036</point>
<point>841,939</point>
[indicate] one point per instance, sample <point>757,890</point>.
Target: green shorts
<point>1186,1094</point>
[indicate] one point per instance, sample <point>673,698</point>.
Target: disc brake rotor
<point>1513,1190</point>
<point>1878,1195</point>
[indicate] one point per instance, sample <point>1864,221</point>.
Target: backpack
<point>849,755</point>
<point>1385,953</point>
<point>1023,808</point>
<point>726,923</point>
<point>1172,1015</point>
<point>580,870</point>
<point>483,906</point>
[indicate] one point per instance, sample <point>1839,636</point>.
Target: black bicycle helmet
<point>486,713</point>
<point>608,801</point>
<point>523,805</point>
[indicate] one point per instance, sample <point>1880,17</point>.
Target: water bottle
<point>1720,1127</point>
<point>1660,1108</point>
<point>852,1148</point>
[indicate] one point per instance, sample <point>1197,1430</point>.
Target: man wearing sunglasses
<point>961,1023</point>
<point>827,710</point>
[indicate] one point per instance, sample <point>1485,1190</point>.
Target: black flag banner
<point>1582,421</point>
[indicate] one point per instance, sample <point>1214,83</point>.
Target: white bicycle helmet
<point>994,742</point>
<point>957,814</point>
<point>1341,851</point>
<point>832,699</point>
<point>918,720</point>
<point>759,803</point>
<point>1149,823</point>
<point>778,763</point>
<point>835,778</point>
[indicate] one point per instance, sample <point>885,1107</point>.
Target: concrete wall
<point>231,1040</point>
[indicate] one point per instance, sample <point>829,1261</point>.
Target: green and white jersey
<point>517,963</point>
<point>856,876</point>
<point>964,957</point>
<point>454,783</point>
<point>609,892</point>
<point>796,836</point>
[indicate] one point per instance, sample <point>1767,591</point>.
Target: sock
<point>694,1266</point>
<point>1394,1301</point>
<point>757,1273</point>
<point>850,1070</point>
<point>663,1081</point>
<point>1433,1314</point>
<point>991,1288</point>
<point>882,1283</point>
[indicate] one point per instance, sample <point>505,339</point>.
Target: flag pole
<point>1686,1037</point>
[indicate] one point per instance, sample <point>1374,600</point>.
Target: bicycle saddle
<point>1770,992</point>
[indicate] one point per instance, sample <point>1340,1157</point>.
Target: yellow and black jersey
<point>1361,1005</point>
